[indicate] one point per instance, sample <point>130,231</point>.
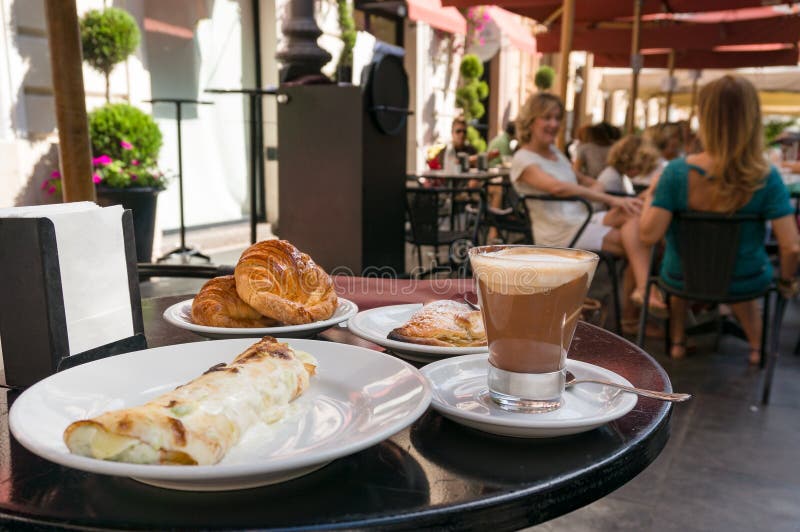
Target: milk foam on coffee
<point>528,270</point>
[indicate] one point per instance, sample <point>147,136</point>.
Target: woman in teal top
<point>753,270</point>
<point>731,175</point>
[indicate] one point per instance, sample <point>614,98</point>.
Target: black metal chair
<point>444,217</point>
<point>708,244</point>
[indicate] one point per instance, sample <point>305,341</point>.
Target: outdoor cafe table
<point>481,175</point>
<point>433,474</point>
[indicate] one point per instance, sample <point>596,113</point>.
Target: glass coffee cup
<point>531,298</point>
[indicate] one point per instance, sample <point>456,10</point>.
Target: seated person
<point>501,145</point>
<point>592,151</point>
<point>628,158</point>
<point>539,167</point>
<point>731,175</point>
<point>448,157</point>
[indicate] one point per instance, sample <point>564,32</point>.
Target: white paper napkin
<point>94,272</point>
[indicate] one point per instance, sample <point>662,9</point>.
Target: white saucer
<point>375,325</point>
<point>460,394</point>
<point>180,315</point>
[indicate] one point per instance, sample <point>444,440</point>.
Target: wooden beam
<point>671,67</point>
<point>552,18</point>
<point>73,128</point>
<point>567,23</point>
<point>635,63</point>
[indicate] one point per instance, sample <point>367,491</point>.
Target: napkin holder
<point>33,328</point>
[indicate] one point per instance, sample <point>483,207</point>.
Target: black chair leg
<point>668,327</point>
<point>762,360</point>
<point>611,265</point>
<point>643,315</point>
<point>772,347</point>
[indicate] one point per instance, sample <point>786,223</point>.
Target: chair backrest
<point>427,206</point>
<point>571,199</point>
<point>708,245</point>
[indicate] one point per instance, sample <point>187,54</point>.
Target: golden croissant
<point>285,284</point>
<point>218,305</point>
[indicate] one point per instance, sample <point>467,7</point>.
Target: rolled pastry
<point>198,422</point>
<point>283,283</point>
<point>218,305</point>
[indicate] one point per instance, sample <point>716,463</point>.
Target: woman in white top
<point>538,167</point>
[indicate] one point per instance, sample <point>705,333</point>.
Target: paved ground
<point>730,464</point>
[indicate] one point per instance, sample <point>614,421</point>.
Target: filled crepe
<point>198,422</point>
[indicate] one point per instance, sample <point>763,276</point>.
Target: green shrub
<point>108,37</point>
<point>469,94</point>
<point>114,124</point>
<point>471,67</point>
<point>475,139</point>
<point>544,77</point>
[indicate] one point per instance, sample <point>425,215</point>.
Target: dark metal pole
<point>302,56</point>
<point>253,165</point>
<point>180,174</point>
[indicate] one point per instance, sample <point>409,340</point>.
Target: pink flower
<point>45,184</point>
<point>126,145</point>
<point>134,177</point>
<point>104,160</point>
<point>96,178</point>
<point>486,16</point>
<point>55,174</point>
<point>135,162</point>
<point>51,190</point>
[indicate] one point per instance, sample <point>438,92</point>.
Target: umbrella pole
<point>70,99</point>
<point>671,66</point>
<point>636,65</point>
<point>694,99</point>
<point>567,22</point>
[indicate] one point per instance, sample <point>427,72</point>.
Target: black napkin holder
<point>33,327</point>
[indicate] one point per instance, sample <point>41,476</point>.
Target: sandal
<point>754,358</point>
<point>678,350</point>
<point>656,308</point>
<point>630,327</point>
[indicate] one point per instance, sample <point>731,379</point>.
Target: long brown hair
<point>534,107</point>
<point>731,132</point>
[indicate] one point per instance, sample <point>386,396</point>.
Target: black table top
<point>433,474</point>
<point>471,174</point>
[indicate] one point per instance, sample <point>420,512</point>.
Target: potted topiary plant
<point>108,37</point>
<point>544,78</point>
<point>469,95</point>
<point>125,145</point>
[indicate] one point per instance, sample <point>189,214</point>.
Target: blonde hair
<point>536,106</point>
<point>731,132</point>
<point>623,153</point>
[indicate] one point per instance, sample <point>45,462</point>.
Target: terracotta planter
<point>142,203</point>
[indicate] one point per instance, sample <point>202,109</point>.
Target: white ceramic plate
<point>358,398</point>
<point>375,324</point>
<point>460,393</point>
<point>180,315</point>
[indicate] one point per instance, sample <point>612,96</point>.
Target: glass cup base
<point>526,392</point>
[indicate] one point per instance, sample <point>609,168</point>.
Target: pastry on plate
<point>198,422</point>
<point>218,305</point>
<point>284,284</point>
<point>443,323</point>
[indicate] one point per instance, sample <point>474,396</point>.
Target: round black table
<point>434,474</point>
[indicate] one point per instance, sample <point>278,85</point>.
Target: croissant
<point>283,283</point>
<point>218,305</point>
